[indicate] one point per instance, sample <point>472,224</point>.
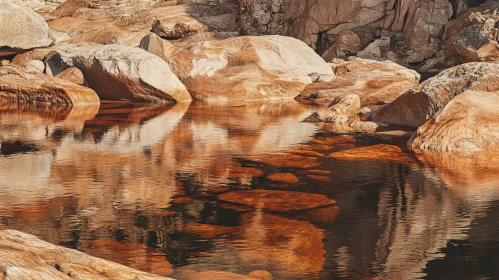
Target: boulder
<point>342,107</point>
<point>373,81</point>
<point>243,68</point>
<point>21,29</point>
<point>468,123</point>
<point>35,66</point>
<point>474,35</point>
<point>420,104</point>
<point>118,72</point>
<point>18,85</point>
<point>73,75</point>
<point>26,257</point>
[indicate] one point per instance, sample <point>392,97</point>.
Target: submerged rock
<point>468,123</point>
<point>243,68</point>
<point>277,201</point>
<point>287,178</point>
<point>381,152</point>
<point>373,81</point>
<point>20,86</point>
<point>24,256</point>
<point>420,104</point>
<point>21,29</point>
<point>119,72</point>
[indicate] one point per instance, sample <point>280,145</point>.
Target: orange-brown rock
<point>221,275</point>
<point>373,81</point>
<point>320,215</point>
<point>73,75</point>
<point>468,123</point>
<point>131,254</point>
<point>27,257</point>
<point>206,230</point>
<point>288,160</point>
<point>294,248</point>
<point>244,68</point>
<point>287,178</point>
<point>276,201</point>
<point>19,86</point>
<point>420,104</point>
<point>381,152</point>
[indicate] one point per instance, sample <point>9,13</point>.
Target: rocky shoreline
<point>366,58</point>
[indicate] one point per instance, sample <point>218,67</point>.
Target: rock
<point>347,43</point>
<point>373,81</point>
<point>381,152</point>
<point>246,68</point>
<point>474,36</point>
<point>73,75</point>
<point>287,178</point>
<point>364,111</point>
<point>16,85</point>
<point>36,54</point>
<point>4,62</point>
<point>179,31</point>
<point>276,201</point>
<point>260,275</point>
<point>35,66</point>
<point>217,274</point>
<point>287,160</point>
<point>420,104</point>
<point>21,29</point>
<point>338,111</point>
<point>27,257</point>
<point>468,123</point>
<point>360,126</point>
<point>119,72</point>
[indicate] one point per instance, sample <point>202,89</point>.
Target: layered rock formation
<point>27,257</point>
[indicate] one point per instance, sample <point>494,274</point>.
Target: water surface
<point>142,185</point>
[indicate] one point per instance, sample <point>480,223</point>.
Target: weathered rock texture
<point>474,35</point>
<point>19,86</point>
<point>23,256</point>
<point>404,31</point>
<point>342,107</point>
<point>243,68</point>
<point>418,105</point>
<point>468,123</point>
<point>21,29</point>
<point>118,72</point>
<point>374,81</point>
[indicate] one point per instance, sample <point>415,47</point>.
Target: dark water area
<point>166,189</point>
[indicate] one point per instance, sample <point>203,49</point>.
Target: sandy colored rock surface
<point>420,104</point>
<point>16,85</point>
<point>468,123</point>
<point>24,256</point>
<point>118,72</point>
<point>244,68</point>
<point>21,29</point>
<point>278,201</point>
<point>373,81</point>
<point>73,75</point>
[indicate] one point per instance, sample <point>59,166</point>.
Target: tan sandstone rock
<point>20,86</point>
<point>21,29</point>
<point>373,81</point>
<point>468,123</point>
<point>118,72</point>
<point>24,256</point>
<point>243,68</point>
<point>73,75</point>
<point>420,104</point>
<point>342,107</point>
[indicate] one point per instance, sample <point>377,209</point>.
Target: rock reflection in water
<point>146,178</point>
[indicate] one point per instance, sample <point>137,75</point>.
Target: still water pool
<point>176,189</point>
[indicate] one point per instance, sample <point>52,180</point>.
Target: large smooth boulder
<point>468,123</point>
<point>420,104</point>
<point>373,81</point>
<point>23,256</point>
<point>18,85</point>
<point>21,29</point>
<point>118,72</point>
<point>474,35</point>
<point>243,68</point>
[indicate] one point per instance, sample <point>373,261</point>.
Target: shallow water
<point>166,189</point>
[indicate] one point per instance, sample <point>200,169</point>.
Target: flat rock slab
<point>277,201</point>
<point>382,152</point>
<point>23,256</point>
